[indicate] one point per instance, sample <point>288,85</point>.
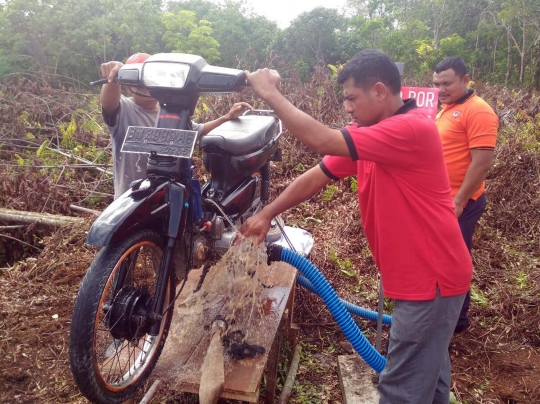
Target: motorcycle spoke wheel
<point>111,352</point>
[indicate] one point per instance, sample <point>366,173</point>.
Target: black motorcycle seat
<point>240,136</point>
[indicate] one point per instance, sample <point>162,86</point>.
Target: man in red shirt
<point>406,210</point>
<point>468,128</point>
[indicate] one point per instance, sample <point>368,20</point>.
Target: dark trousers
<point>467,223</point>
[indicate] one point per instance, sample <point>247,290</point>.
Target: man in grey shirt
<point>140,109</point>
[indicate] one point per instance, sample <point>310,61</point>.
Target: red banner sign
<point>426,99</point>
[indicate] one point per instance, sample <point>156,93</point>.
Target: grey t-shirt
<point>128,167</point>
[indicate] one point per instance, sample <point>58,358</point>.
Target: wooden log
<point>19,226</point>
<point>213,370</point>
<point>85,210</point>
<point>150,394</point>
<point>291,376</point>
<point>11,215</point>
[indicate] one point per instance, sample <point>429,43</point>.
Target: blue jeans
<point>467,223</point>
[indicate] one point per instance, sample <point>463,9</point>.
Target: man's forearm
<point>481,161</point>
<point>110,97</point>
<point>472,181</point>
<point>209,126</point>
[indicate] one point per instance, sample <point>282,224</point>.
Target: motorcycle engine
<point>222,245</point>
<point>198,255</point>
<point>223,237</point>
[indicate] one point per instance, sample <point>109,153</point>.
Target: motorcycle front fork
<point>178,208</point>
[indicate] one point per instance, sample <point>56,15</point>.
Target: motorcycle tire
<point>111,353</point>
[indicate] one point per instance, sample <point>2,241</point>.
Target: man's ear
<point>466,79</point>
<point>380,90</point>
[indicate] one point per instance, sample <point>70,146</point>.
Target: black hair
<point>455,63</point>
<point>369,67</point>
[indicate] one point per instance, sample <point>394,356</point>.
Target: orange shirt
<point>469,123</point>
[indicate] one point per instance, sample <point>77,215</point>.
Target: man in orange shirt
<point>468,128</point>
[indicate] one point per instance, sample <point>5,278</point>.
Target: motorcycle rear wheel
<point>111,352</point>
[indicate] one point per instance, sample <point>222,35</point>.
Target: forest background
<point>55,152</point>
<point>499,40</point>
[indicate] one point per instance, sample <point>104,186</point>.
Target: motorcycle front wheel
<point>111,351</point>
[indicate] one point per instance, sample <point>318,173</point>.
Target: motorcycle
<point>166,224</point>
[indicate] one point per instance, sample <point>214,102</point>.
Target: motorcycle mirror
<point>129,76</point>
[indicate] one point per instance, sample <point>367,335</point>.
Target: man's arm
<point>309,131</point>
<point>110,92</point>
<point>481,161</point>
<point>301,189</point>
<point>235,111</point>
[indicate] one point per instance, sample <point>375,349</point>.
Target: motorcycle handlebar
<point>102,81</point>
<point>242,81</point>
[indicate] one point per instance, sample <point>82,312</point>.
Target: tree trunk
<point>522,54</point>
<point>536,75</point>
<point>436,20</point>
<point>508,56</point>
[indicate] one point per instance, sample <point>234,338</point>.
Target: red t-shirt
<point>406,205</point>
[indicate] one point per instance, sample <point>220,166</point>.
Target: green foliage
<point>334,70</point>
<point>73,37</point>
<point>345,266</point>
<point>313,37</point>
<point>232,27</point>
<point>62,39</point>
<point>328,193</point>
<point>303,69</point>
<point>93,201</point>
<point>68,131</point>
<point>482,388</point>
<point>478,297</point>
<point>453,45</point>
<point>20,160</point>
<point>353,184</point>
<point>245,39</point>
<point>306,392</point>
<point>522,280</point>
<point>184,35</point>
<point>42,148</point>
<point>428,56</point>
<point>453,399</point>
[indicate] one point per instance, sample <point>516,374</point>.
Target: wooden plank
<point>273,362</point>
<point>356,380</point>
<point>185,349</point>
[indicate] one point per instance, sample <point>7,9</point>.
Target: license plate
<point>165,142</point>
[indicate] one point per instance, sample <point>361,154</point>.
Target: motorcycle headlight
<point>165,75</point>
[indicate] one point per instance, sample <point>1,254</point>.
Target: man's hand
<point>458,208</point>
<point>257,225</point>
<point>263,81</point>
<point>237,110</point>
<point>110,70</point>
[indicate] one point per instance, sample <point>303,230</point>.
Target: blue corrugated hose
<point>351,308</point>
<point>323,288</point>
